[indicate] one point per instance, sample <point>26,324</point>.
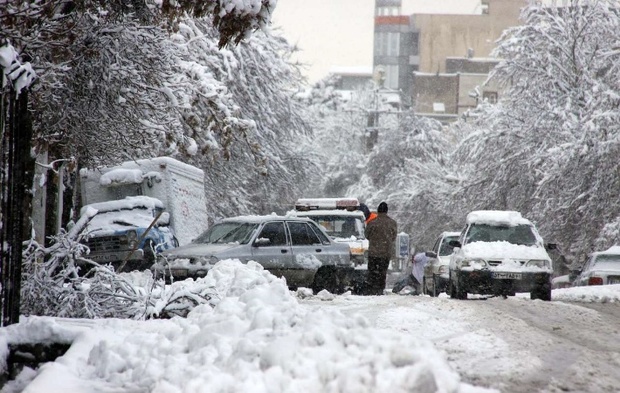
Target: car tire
<point>459,292</point>
<point>451,290</point>
<point>543,293</point>
<point>433,293</point>
<point>327,278</point>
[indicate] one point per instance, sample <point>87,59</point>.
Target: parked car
<point>500,253</point>
<point>436,272</point>
<point>601,268</point>
<point>297,249</point>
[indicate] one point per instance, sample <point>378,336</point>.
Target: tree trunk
<point>17,179</point>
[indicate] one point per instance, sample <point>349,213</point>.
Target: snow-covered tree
<point>549,148</point>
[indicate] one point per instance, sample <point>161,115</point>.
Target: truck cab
<point>127,233</point>
<point>341,219</point>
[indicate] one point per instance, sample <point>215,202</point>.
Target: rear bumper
<point>484,283</point>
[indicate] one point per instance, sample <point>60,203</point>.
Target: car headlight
<point>541,263</point>
<point>212,260</point>
<point>442,269</point>
<point>132,238</point>
<point>481,263</point>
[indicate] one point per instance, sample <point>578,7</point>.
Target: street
<point>513,344</point>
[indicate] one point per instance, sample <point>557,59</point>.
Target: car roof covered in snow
<point>497,217</point>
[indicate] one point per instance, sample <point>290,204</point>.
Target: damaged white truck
<point>140,208</point>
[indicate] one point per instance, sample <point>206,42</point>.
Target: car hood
<point>199,250</point>
<point>503,250</point>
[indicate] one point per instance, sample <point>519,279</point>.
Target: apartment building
<point>433,52</point>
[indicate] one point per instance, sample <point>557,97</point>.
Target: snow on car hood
<point>503,250</point>
<point>110,222</point>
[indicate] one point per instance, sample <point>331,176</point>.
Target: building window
<point>387,44</point>
<point>391,77</point>
<point>490,97</point>
<point>387,11</point>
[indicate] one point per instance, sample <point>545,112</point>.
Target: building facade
<point>436,58</point>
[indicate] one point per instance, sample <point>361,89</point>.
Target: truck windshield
<point>228,232</point>
<point>519,234</point>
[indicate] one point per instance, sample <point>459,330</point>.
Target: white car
<point>602,268</point>
<point>500,253</point>
<point>436,272</point>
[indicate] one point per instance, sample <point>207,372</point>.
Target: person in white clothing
<point>413,276</point>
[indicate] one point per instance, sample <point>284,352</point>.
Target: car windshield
<point>519,234</point>
<point>446,248</point>
<point>608,258</point>
<point>339,226</point>
<point>228,232</point>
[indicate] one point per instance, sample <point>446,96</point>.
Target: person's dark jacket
<point>381,234</point>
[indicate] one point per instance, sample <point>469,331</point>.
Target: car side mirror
<point>551,246</point>
<point>431,254</point>
<point>454,244</point>
<point>261,241</point>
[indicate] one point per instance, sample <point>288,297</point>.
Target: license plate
<point>179,272</point>
<point>506,276</point>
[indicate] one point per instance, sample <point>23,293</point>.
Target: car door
<point>309,252</point>
<point>272,248</point>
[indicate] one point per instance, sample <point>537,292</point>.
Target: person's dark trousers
<point>377,272</point>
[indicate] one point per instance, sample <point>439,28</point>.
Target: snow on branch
<point>21,75</point>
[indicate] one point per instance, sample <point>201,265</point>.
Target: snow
<point>22,75</point>
<point>121,176</point>
<point>128,203</point>
<point>499,251</point>
<point>261,337</point>
<point>497,217</point>
<point>257,337</point>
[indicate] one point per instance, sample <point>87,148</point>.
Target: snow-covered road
<point>513,345</point>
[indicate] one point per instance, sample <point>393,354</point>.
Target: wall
<point>443,36</point>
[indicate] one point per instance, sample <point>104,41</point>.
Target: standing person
<point>381,234</point>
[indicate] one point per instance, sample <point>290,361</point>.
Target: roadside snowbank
<point>256,338</point>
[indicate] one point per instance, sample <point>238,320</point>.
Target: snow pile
<point>256,338</point>
<point>589,294</point>
<point>121,176</point>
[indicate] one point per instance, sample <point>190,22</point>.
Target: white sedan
<point>602,268</point>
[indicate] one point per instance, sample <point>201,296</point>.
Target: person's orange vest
<point>372,216</point>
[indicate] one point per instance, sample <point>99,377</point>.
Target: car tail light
<point>595,281</point>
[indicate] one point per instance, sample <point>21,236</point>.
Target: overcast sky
<point>339,33</point>
<point>328,32</point>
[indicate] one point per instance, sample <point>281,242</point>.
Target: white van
<point>499,253</point>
